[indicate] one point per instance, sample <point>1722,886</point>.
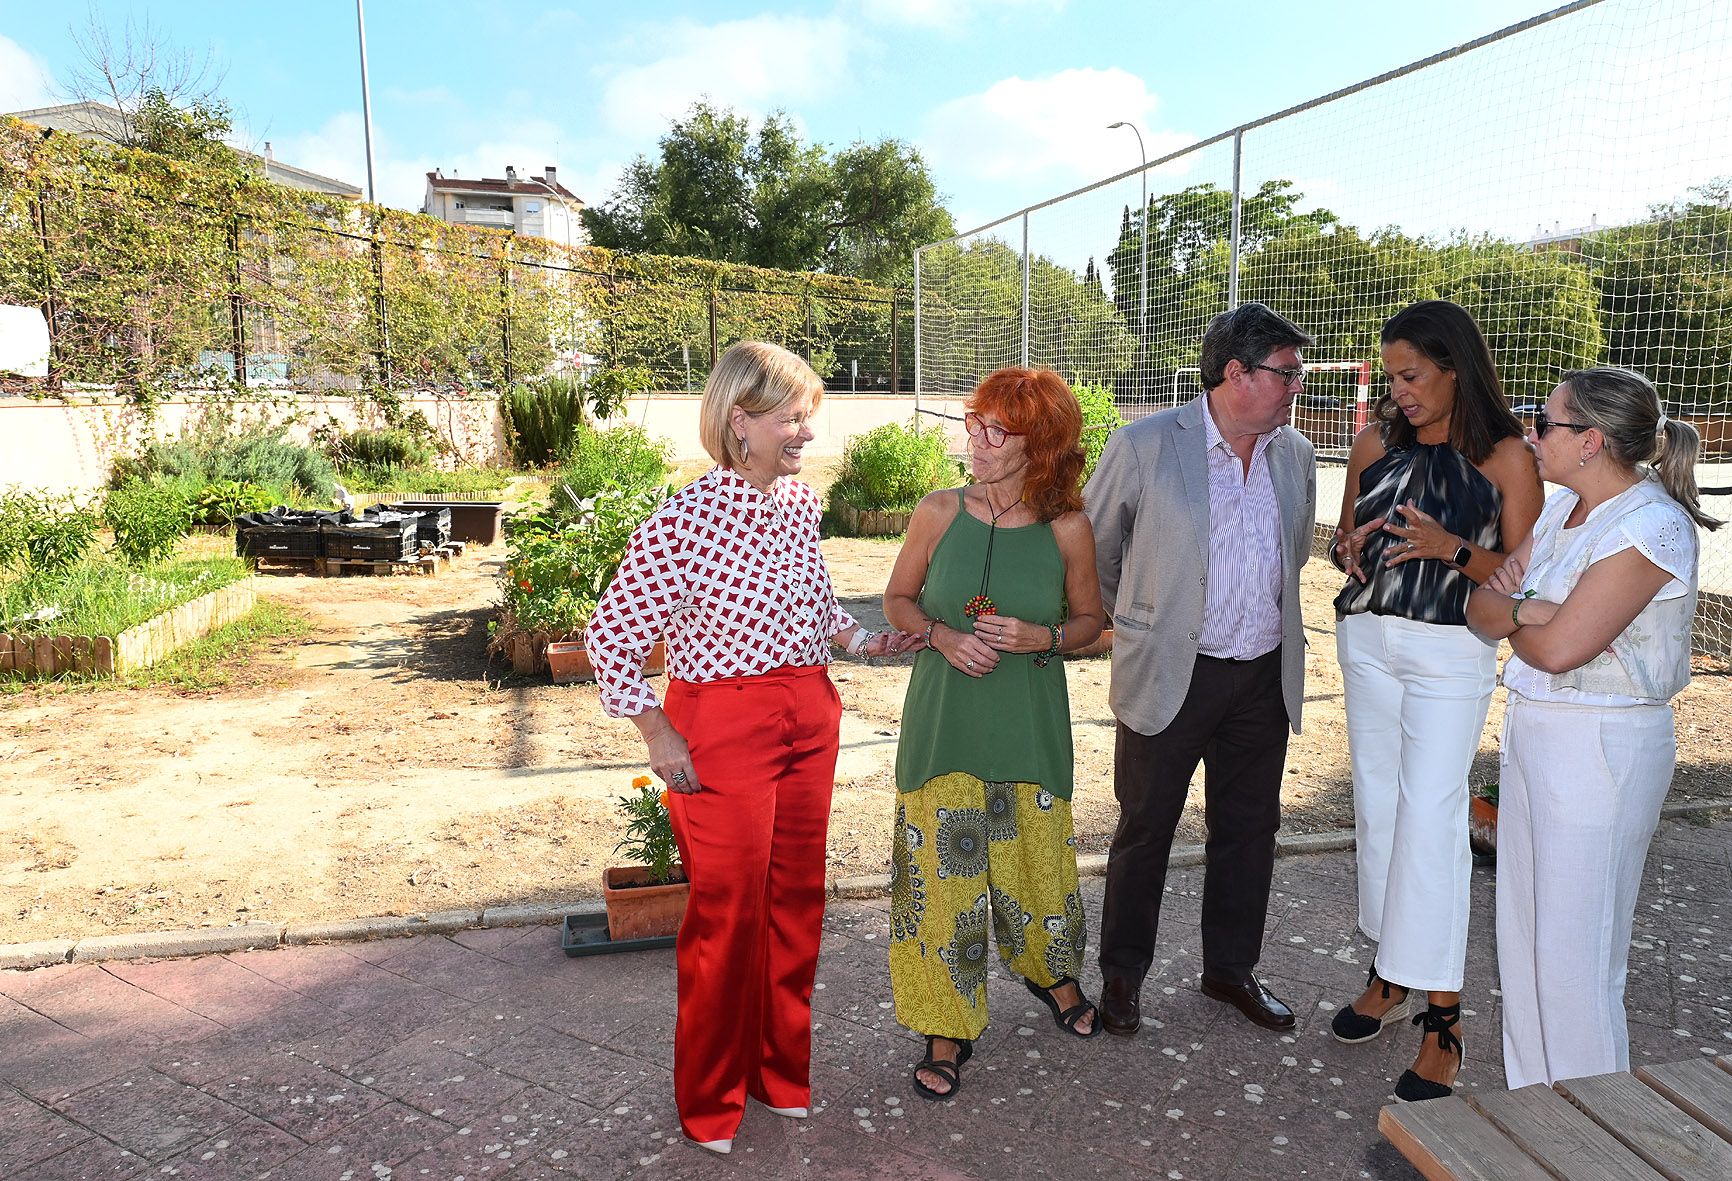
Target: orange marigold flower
<point>642,781</point>
<point>664,797</point>
<point>527,585</point>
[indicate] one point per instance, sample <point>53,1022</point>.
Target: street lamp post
<point>1142,254</point>
<point>565,208</point>
<point>366,101</point>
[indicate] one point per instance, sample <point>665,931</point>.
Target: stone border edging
<point>264,936</point>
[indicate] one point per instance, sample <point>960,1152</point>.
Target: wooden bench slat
<point>1657,1131</point>
<point>1572,1146</point>
<point>1447,1140</point>
<point>1700,1089</point>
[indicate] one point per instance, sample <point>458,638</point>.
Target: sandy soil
<point>383,767</point>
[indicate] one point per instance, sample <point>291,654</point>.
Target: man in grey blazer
<point>1202,517</point>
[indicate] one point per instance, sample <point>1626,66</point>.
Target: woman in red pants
<point>729,573</point>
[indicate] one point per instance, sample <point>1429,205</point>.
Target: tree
<point>719,192</point>
<point>166,98</point>
<point>1539,311</point>
<point>1665,289</point>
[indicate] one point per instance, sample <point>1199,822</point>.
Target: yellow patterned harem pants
<point>965,851</point>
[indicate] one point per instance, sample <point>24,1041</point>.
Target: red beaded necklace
<point>982,603</point>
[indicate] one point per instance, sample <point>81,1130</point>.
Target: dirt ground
<point>382,766</point>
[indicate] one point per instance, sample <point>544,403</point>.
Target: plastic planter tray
<point>586,934</point>
<point>476,521</point>
<point>372,540</point>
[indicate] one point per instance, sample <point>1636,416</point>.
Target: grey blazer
<point>1148,501</point>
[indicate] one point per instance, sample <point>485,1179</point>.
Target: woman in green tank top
<point>999,577</point>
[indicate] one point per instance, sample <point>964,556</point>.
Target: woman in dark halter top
<point>1439,489</point>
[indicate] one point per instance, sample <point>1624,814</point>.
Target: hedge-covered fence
<point>156,274</point>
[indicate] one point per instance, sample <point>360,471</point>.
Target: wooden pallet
<point>429,563</point>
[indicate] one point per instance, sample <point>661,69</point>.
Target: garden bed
<point>35,656</point>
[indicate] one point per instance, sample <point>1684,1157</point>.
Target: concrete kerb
<point>252,936</point>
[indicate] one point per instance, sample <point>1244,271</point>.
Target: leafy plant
<point>394,447</point>
<point>147,518</point>
<point>890,467</point>
<point>218,450</point>
<point>1101,418</point>
<point>1486,792</point>
<point>556,570</point>
<point>607,389</point>
<point>623,457</point>
<point>221,503</point>
<point>649,831</point>
<point>44,533</point>
<point>542,419</point>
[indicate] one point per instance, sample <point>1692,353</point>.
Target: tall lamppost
<point>565,208</point>
<point>366,101</point>
<point>1142,255</point>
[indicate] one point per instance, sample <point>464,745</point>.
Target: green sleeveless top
<point>1013,724</point>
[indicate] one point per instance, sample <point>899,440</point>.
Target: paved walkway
<point>489,1054</point>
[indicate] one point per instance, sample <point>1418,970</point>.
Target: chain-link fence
<point>1568,180</point>
<point>160,274</point>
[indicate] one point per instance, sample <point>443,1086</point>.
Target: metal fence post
<point>895,368</point>
<point>382,351</point>
<point>48,307</point>
<point>237,308</point>
<point>505,310</point>
<point>1233,263</point>
<point>1025,269</point>
<point>713,353</point>
<point>917,255</point>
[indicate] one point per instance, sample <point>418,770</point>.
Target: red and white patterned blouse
<point>733,581</point>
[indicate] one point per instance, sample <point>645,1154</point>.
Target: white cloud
<point>1051,130</point>
<point>948,15</point>
<point>752,65</point>
<point>25,81</point>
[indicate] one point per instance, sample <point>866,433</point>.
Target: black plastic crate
<point>433,525</point>
<point>371,541</point>
<point>279,541</point>
<point>264,542</point>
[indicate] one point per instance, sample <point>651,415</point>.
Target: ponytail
<point>1676,465</point>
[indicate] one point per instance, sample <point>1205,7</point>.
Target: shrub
<point>221,503</point>
<point>890,467</point>
<point>542,419</point>
<point>217,451</point>
<point>607,389</point>
<point>394,447</point>
<point>147,517</point>
<point>1101,418</point>
<point>44,533</point>
<point>624,457</point>
<point>558,567</point>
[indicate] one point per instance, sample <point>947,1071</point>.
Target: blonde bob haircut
<point>756,377</point>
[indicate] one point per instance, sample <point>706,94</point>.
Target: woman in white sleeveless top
<point>1597,605</point>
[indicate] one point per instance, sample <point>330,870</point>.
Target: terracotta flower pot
<point>1482,828</point>
<point>568,661</point>
<point>637,910</point>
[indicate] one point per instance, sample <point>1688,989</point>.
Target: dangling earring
<point>1584,462</point>
<point>746,450</point>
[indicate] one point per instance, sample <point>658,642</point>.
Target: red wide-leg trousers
<point>753,843</point>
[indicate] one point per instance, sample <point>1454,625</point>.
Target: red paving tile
<point>488,1054</point>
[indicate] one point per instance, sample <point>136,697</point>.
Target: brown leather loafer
<point>1119,1008</point>
<point>1252,999</point>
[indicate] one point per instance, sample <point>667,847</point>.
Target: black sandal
<point>1351,1027</point>
<point>1441,1020</point>
<point>1067,1018</point>
<point>948,1069</point>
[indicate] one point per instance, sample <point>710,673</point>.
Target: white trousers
<point>1417,695</point>
<point>1579,800</point>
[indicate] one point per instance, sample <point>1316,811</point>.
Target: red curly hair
<point>1038,405</point>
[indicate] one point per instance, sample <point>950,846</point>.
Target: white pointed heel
<point>791,1112</point>
<point>720,1147</point>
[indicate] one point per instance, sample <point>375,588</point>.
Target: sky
<point>1007,100</point>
